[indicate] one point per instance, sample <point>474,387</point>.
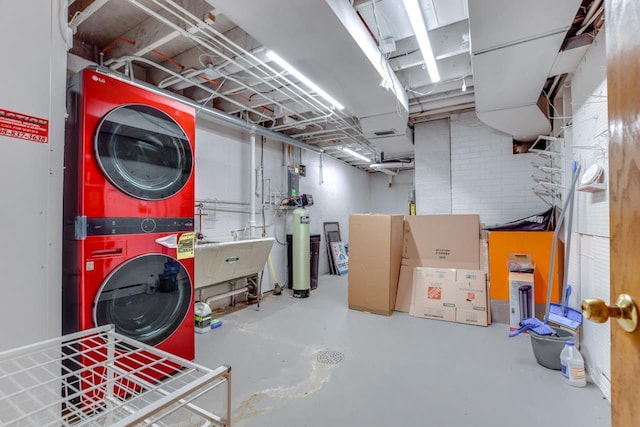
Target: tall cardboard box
<point>449,241</point>
<point>375,253</point>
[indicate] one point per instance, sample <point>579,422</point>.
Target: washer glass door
<point>145,298</point>
<point>143,152</point>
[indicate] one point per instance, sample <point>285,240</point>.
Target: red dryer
<point>134,149</point>
<point>129,181</point>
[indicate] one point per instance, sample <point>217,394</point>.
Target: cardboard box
<point>471,290</point>
<point>450,241</point>
<point>472,317</point>
<point>405,288</point>
<point>447,314</point>
<point>375,253</point>
<point>472,304</point>
<point>433,288</point>
<point>405,283</point>
<point>521,292</point>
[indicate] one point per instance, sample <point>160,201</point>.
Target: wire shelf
<point>101,378</point>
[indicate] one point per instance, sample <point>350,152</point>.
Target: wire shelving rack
<point>99,377</point>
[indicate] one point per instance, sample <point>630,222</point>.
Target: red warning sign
<point>22,126</point>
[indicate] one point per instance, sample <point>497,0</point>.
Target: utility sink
<point>220,260</point>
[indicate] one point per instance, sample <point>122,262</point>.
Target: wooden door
<point>623,76</point>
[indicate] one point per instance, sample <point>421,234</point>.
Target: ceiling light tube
<point>420,30</point>
<point>311,85</point>
<point>356,154</point>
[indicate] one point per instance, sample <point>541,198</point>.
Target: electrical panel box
<point>293,179</point>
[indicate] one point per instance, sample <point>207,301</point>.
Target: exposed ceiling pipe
<point>301,97</point>
<point>298,95</point>
<point>590,12</point>
<point>223,69</point>
<point>391,165</point>
<point>252,182</point>
<point>212,114</point>
<point>388,172</point>
<point>128,59</point>
<point>82,15</point>
<point>589,19</point>
<point>202,34</point>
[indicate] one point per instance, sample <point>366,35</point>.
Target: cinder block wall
<point>466,167</point>
<point>433,167</point>
<point>487,178</point>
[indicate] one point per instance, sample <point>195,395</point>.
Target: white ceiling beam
<point>80,16</point>
<point>153,34</point>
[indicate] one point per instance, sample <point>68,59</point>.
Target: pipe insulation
<point>226,294</point>
<point>252,181</point>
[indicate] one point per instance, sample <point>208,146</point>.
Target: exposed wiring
<point>209,98</point>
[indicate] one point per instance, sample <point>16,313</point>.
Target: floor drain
<point>330,357</point>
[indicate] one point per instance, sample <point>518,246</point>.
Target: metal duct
<point>514,44</point>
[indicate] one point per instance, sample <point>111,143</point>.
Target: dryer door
<point>143,152</point>
<point>145,298</point>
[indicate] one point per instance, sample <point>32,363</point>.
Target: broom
<point>277,289</point>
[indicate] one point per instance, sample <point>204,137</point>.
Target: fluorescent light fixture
<point>420,30</point>
<point>311,85</point>
<point>356,154</point>
<point>352,22</point>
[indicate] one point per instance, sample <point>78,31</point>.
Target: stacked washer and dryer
<point>128,212</point>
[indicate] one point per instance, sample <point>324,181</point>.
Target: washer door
<point>143,152</point>
<point>145,298</point>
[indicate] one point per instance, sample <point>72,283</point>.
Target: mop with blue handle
<point>534,324</point>
<point>560,314</point>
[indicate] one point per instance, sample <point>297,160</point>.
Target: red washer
<point>140,287</point>
<point>133,149</point>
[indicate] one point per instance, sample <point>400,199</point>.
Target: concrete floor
<point>395,371</point>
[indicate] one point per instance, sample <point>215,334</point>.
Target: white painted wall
<point>487,178</point>
<point>589,263</point>
<point>223,173</point>
<point>390,194</point>
<point>466,167</point>
<point>433,167</point>
<point>32,82</point>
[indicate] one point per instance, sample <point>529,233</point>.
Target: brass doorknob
<point>624,311</point>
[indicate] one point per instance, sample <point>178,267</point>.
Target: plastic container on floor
<point>572,365</point>
<point>547,348</point>
<point>203,317</point>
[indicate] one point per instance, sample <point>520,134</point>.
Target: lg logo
<point>98,79</point>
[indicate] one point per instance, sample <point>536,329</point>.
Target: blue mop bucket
<point>547,348</point>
